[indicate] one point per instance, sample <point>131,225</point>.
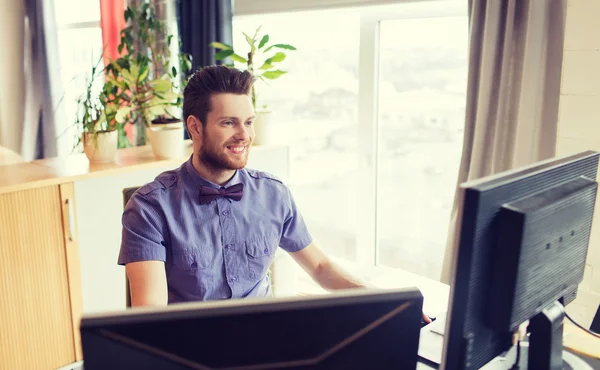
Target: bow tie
<point>208,193</point>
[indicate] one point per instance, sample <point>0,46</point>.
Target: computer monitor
<point>353,329</point>
<point>521,255</point>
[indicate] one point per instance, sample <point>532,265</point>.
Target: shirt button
<point>194,265</point>
<point>232,280</point>
<point>266,250</point>
<point>225,213</point>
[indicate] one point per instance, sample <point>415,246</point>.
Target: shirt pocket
<point>193,259</point>
<point>260,252</point>
<point>190,275</point>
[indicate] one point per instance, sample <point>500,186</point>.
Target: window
<point>373,112</point>
<point>80,48</point>
<point>422,89</point>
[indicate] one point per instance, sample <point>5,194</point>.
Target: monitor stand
<point>544,349</point>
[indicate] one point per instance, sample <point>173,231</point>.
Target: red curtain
<point>112,22</point>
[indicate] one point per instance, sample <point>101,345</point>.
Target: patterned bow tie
<point>208,193</point>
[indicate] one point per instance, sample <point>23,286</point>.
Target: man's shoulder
<point>263,176</point>
<point>163,182</point>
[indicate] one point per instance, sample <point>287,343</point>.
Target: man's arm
<point>323,270</point>
<point>326,273</point>
<point>147,283</point>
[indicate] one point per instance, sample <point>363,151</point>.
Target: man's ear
<point>194,126</point>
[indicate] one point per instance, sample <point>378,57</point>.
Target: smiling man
<point>210,228</point>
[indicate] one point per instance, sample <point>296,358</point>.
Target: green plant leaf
<point>278,57</point>
<point>280,46</point>
<point>161,86</point>
<point>250,41</point>
<point>257,30</point>
<point>238,58</point>
<point>167,96</point>
<point>220,45</point>
<point>223,54</point>
<point>266,66</point>
<point>174,71</point>
<point>122,113</point>
<point>263,41</point>
<point>272,75</point>
<point>143,73</point>
<point>157,110</point>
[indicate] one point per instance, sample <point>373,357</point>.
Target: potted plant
<point>262,61</point>
<point>147,98</point>
<point>147,84</point>
<point>95,124</point>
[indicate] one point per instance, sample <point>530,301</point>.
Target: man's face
<point>228,134</point>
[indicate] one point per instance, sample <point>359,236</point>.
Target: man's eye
<point>228,123</point>
<point>250,123</point>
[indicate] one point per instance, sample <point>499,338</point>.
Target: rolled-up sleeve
<point>295,235</point>
<point>144,230</point>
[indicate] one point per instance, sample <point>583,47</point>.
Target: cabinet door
<point>36,322</point>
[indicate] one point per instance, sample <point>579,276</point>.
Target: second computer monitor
<point>523,242</point>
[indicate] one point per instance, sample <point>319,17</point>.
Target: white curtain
<point>513,90</point>
<point>12,95</point>
<point>30,89</point>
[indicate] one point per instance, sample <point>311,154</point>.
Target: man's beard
<point>214,157</point>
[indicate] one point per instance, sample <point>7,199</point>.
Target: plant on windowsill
<point>262,61</point>
<point>147,84</point>
<point>95,124</point>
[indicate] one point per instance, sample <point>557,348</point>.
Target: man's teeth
<point>237,149</point>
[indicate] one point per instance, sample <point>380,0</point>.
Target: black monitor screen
<point>370,329</point>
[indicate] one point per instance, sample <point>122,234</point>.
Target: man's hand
<point>426,318</point>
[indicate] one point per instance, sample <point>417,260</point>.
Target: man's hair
<point>211,80</point>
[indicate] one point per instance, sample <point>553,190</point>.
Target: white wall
<point>579,125</point>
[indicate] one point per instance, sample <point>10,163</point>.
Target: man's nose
<point>243,133</point>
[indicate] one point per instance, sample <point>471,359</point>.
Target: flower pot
<point>100,147</point>
<point>166,139</point>
<point>264,129</point>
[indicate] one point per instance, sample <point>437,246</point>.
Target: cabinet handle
<point>70,219</point>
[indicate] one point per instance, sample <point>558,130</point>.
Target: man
<point>209,229</point>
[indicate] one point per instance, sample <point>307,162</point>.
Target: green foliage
<point>95,111</point>
<point>136,93</point>
<point>144,81</point>
<point>266,57</point>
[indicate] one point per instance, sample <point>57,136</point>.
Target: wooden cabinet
<point>40,290</point>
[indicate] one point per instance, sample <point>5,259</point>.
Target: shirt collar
<point>201,181</point>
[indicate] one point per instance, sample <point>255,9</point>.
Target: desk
<point>436,297</point>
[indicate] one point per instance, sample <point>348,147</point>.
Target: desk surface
<point>436,296</point>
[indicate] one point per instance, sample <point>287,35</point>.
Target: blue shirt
<point>213,251</point>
